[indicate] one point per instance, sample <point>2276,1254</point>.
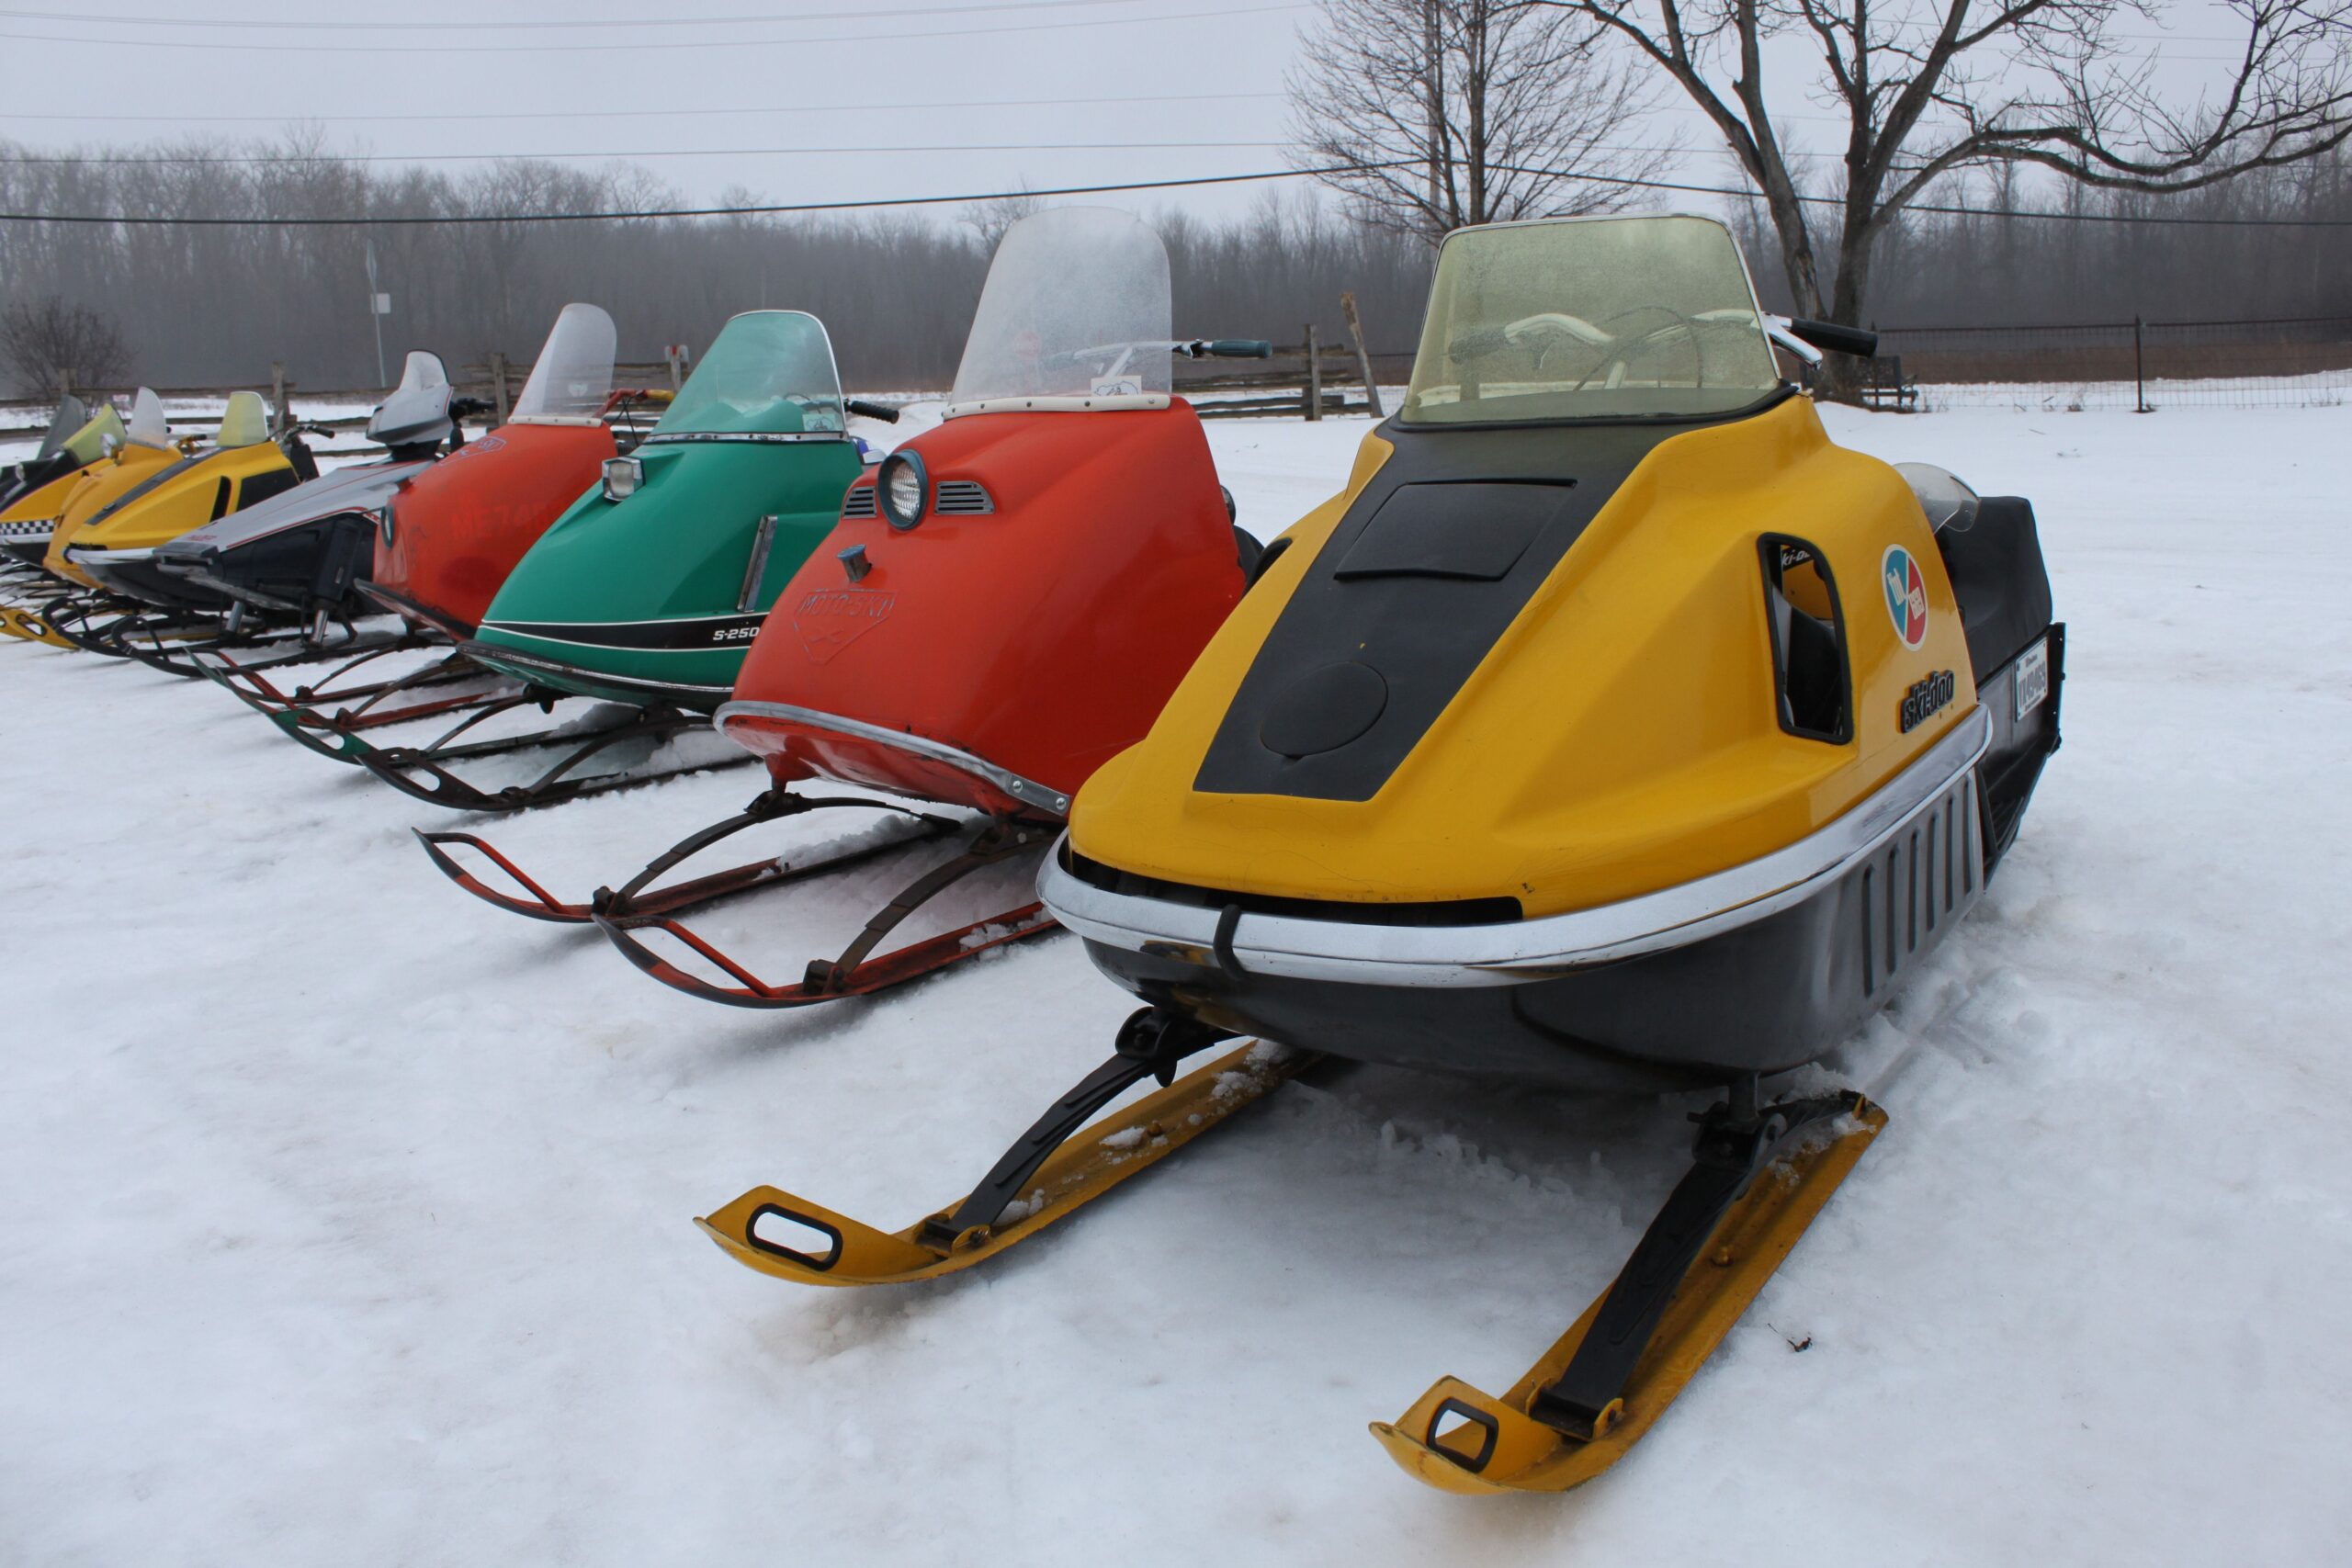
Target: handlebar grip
<point>882,411</point>
<point>1240,348</point>
<point>1835,338</point>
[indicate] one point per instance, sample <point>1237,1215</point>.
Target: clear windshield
<point>1075,305</point>
<point>148,425</point>
<point>1594,318</point>
<point>771,373</point>
<point>71,417</point>
<point>573,373</point>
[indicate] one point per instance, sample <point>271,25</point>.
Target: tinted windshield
<point>1608,318</point>
<point>1075,305</point>
<point>573,373</point>
<point>71,416</point>
<point>771,373</point>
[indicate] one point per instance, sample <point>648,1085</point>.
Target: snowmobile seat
<point>1999,577</point>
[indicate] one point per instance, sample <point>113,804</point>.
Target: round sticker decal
<point>1907,595</point>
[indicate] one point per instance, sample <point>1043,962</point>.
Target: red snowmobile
<point>451,533</point>
<point>1005,603</point>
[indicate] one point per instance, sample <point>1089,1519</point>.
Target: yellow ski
<point>1460,1439</point>
<point>1044,1177</point>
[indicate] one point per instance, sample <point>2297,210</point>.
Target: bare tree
<point>1430,114</point>
<point>42,338</point>
<point>1930,88</point>
<point>991,218</point>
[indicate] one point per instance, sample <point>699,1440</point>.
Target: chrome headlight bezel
<point>897,471</point>
<point>624,476</point>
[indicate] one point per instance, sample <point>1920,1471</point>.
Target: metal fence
<point>2292,362</point>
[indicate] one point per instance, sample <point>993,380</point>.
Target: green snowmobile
<point>648,590</point>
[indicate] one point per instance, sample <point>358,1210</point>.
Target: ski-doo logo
<point>831,618</point>
<point>1927,698</point>
<point>1907,595</point>
<point>478,446</point>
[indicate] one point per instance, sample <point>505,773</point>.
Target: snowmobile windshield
<point>1590,318</point>
<point>244,422</point>
<point>573,373</point>
<point>418,410</point>
<point>148,425</point>
<point>102,434</point>
<point>1075,315</point>
<point>770,373</point>
<point>71,417</point>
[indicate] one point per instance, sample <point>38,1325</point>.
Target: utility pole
<point>379,305</point>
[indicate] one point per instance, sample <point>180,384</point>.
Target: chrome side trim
<point>1027,791</point>
<point>88,555</point>
<point>1073,403</point>
<point>761,437</point>
<point>1523,950</point>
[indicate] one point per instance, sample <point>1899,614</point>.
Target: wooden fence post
<point>64,383</point>
<point>498,385</point>
<point>277,396</point>
<point>1314,376</point>
<point>1363,359</point>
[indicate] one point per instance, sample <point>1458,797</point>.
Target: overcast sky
<point>1065,84</point>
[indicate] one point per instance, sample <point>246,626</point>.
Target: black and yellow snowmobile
<point>1612,729</point>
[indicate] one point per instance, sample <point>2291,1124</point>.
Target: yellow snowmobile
<point>147,449</point>
<point>30,490</point>
<point>144,448</point>
<point>1611,729</point>
<point>112,547</point>
<point>37,495</point>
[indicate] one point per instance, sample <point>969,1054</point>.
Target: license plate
<point>2032,679</point>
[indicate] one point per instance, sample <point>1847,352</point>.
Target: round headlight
<point>903,489</point>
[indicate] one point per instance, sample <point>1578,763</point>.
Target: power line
<point>675,152</point>
<point>2019,212</point>
<point>575,24</point>
<point>638,46</point>
<point>763,209</point>
<point>866,204</point>
<point>569,24</point>
<point>112,119</point>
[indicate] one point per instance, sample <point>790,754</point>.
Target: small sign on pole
<point>383,304</point>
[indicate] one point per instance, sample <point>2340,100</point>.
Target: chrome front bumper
<point>1520,951</point>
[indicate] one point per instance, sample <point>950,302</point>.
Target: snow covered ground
<point>347,1218</point>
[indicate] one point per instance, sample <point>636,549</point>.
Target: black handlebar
<point>1835,338</point>
<point>882,411</point>
<point>1227,348</point>
<point>469,408</point>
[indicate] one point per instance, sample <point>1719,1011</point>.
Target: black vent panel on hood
<point>1435,560</point>
<point>1476,532</point>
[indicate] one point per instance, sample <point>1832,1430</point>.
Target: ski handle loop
<point>1490,1433</point>
<point>758,1243</point>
